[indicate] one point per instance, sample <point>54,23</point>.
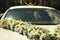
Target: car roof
<point>16,7</point>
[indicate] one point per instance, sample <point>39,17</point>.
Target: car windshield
<point>34,15</point>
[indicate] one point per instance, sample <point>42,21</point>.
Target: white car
<point>41,16</point>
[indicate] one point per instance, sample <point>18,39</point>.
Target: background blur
<point>5,4</point>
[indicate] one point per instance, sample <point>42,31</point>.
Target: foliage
<point>58,30</point>
<point>26,28</point>
<point>49,37</point>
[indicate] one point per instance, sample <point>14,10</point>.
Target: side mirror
<point>1,15</point>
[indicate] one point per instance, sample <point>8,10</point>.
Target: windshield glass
<point>35,15</point>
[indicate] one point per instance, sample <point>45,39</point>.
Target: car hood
<point>52,28</point>
<point>10,35</point>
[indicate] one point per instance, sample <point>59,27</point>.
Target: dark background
<point>5,4</point>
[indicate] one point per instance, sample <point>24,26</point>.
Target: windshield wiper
<point>38,23</point>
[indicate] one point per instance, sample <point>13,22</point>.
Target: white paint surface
<point>9,35</point>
